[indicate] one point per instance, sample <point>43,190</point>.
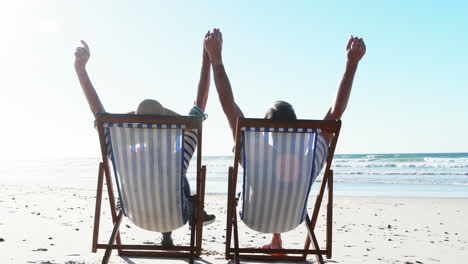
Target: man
<point>150,106</point>
<point>282,110</point>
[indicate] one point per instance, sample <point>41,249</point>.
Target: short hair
<point>281,111</point>
<point>153,107</point>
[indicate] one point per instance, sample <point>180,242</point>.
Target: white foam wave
<point>426,163</point>
<point>412,182</point>
<point>422,173</point>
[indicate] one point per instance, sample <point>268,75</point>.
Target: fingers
<point>358,42</point>
<point>85,45</point>
<point>350,41</point>
<point>363,47</point>
<point>360,46</point>
<point>80,51</point>
<point>216,33</point>
<point>355,42</point>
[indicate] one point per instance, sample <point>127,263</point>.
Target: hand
<point>81,56</point>
<point>206,58</point>
<point>355,49</point>
<point>213,45</point>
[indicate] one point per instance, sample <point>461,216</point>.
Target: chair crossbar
<point>139,125</point>
<point>281,251</point>
<point>267,257</point>
<point>141,247</point>
<point>132,253</point>
<point>282,129</point>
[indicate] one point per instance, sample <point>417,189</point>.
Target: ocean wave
<point>401,173</point>
<point>369,164</point>
<point>366,160</point>
<point>412,182</point>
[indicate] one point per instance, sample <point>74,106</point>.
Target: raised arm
<point>355,51</point>
<point>213,46</point>
<point>81,58</point>
<point>204,83</point>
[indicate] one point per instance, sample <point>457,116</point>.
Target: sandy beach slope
<point>54,225</point>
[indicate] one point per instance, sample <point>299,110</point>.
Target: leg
<point>207,218</point>
<point>276,241</point>
<point>187,190</point>
<point>167,239</point>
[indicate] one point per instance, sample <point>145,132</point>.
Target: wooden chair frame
<point>115,241</point>
<point>331,127</point>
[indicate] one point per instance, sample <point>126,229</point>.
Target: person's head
<point>153,107</point>
<point>280,111</point>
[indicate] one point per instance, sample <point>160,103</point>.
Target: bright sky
<point>409,94</point>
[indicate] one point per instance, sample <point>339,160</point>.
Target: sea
<point>442,175</point>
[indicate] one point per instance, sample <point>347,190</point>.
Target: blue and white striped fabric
<point>148,162</point>
<point>279,169</point>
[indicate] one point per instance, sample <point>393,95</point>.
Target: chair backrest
<point>147,159</point>
<point>281,161</point>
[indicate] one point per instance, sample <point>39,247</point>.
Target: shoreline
<point>91,187</point>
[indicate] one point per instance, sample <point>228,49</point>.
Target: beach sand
<point>54,225</point>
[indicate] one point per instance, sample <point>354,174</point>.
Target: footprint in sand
<point>40,249</point>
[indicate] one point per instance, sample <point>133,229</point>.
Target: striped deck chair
<point>281,160</point>
<point>146,154</point>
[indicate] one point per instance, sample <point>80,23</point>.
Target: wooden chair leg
<point>229,215</point>
<point>110,193</point>
<point>97,213</point>
<point>193,201</point>
<point>236,239</point>
<point>199,211</point>
<point>310,230</point>
<point>330,215</point>
<point>115,231</point>
<point>315,214</point>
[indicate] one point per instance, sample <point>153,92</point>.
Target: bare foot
<point>274,244</point>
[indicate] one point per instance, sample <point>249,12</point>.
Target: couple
<point>212,59</point>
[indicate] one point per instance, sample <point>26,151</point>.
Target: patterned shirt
<point>190,138</point>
